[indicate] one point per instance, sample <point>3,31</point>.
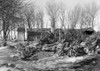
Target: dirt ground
<point>5,58</point>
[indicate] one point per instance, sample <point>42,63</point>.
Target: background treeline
<point>18,13</point>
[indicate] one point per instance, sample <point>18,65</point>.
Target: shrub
<point>26,52</point>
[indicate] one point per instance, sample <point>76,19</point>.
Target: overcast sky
<point>69,5</point>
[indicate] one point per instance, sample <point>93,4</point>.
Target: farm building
<point>21,34</point>
<point>34,34</point>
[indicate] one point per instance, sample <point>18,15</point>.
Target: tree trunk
<point>42,25</point>
<point>11,34</point>
<point>53,25</point>
<point>4,33</point>
<point>24,36</point>
<point>29,25</point>
<point>92,25</point>
<point>14,34</point>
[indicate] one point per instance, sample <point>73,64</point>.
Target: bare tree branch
<point>74,16</point>
<point>53,12</point>
<point>62,15</point>
<point>39,18</point>
<point>91,9</point>
<point>88,15</point>
<point>29,15</point>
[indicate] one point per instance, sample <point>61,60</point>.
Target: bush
<point>49,39</point>
<point>26,52</point>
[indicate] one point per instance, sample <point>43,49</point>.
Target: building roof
<point>40,29</point>
<point>20,29</point>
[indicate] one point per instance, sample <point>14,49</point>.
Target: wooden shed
<point>21,34</point>
<point>35,34</point>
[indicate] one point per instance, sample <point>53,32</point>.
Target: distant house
<point>21,34</point>
<point>34,34</point>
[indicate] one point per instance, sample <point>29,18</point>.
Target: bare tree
<point>62,15</point>
<point>39,18</point>
<point>8,13</point>
<point>82,19</point>
<point>74,15</point>
<point>85,20</point>
<point>29,15</point>
<point>53,12</point>
<point>62,18</point>
<point>91,11</point>
<point>88,15</point>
